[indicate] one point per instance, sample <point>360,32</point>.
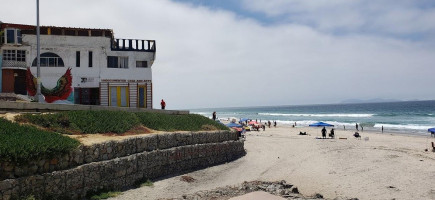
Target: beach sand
<point>383,166</point>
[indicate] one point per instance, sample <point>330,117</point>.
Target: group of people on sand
<point>331,134</point>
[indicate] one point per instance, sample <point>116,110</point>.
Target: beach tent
<point>234,125</point>
<point>432,130</point>
<point>319,124</point>
<point>253,122</point>
<point>244,120</point>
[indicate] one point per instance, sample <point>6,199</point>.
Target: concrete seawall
<point>123,164</point>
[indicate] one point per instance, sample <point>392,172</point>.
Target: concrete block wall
<point>112,149</point>
<point>164,157</point>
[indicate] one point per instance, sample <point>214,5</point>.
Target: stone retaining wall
<point>164,158</point>
<point>112,149</point>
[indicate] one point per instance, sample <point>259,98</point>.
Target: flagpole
<point>38,58</point>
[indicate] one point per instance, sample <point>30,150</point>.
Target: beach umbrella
<point>234,125</point>
<point>253,122</point>
<point>432,130</point>
<point>320,124</point>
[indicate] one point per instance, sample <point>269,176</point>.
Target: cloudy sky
<point>227,53</point>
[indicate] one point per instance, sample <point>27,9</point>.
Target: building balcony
<point>12,64</point>
<point>133,45</point>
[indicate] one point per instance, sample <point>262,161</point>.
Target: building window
<point>77,58</point>
<point>141,64</point>
<point>49,60</point>
<point>117,62</point>
<point>14,55</point>
<point>90,59</point>
<point>13,36</point>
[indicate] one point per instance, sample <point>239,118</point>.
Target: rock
<point>295,190</point>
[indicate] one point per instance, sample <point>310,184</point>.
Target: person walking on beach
<point>362,128</point>
<point>324,132</point>
<point>274,124</point>
<point>163,104</point>
<point>356,126</point>
<point>382,129</point>
<point>214,116</point>
<point>268,123</point>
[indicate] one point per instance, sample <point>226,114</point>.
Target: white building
<point>105,70</point>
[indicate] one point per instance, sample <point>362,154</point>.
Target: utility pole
<point>38,59</point>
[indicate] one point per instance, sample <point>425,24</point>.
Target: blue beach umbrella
<point>319,124</point>
<point>231,125</point>
<point>432,130</point>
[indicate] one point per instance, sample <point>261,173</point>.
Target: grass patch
<point>106,195</point>
<point>191,122</point>
<point>88,122</point>
<point>147,183</point>
<point>22,143</point>
<point>119,122</point>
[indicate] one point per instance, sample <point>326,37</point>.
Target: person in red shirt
<point>163,104</point>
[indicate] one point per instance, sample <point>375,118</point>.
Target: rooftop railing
<point>133,45</point>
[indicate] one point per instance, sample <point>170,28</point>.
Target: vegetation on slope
<point>23,143</point>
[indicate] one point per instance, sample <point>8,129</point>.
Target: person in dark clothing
<point>323,132</point>
<point>332,134</point>
<point>163,104</point>
<point>356,126</point>
<point>214,116</point>
<point>274,124</point>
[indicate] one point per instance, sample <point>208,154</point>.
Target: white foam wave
<point>403,126</point>
<point>318,115</point>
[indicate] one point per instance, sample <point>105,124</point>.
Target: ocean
<point>408,117</point>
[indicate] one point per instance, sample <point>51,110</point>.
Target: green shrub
<point>20,143</point>
<point>106,195</point>
<point>165,122</point>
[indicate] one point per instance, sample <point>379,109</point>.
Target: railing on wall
<point>14,64</point>
<point>133,45</point>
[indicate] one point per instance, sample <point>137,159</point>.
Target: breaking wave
<point>318,115</point>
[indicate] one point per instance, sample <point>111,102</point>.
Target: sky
<point>228,53</point>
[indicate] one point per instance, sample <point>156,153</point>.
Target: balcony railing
<point>14,64</point>
<point>133,45</point>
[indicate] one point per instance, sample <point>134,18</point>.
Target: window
<point>90,59</point>
<point>77,58</point>
<point>141,64</point>
<point>117,62</point>
<point>49,60</point>
<point>13,36</point>
<point>14,55</point>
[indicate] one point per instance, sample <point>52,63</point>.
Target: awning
<point>319,124</point>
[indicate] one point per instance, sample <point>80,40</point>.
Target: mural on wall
<point>62,90</point>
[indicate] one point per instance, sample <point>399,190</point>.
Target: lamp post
<point>38,59</point>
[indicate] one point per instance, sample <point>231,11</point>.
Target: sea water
<point>410,117</point>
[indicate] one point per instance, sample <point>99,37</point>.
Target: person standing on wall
<point>214,116</point>
<point>163,104</point>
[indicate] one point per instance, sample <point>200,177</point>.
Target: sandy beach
<point>379,166</point>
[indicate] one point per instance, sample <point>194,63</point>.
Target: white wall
<point>66,47</point>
